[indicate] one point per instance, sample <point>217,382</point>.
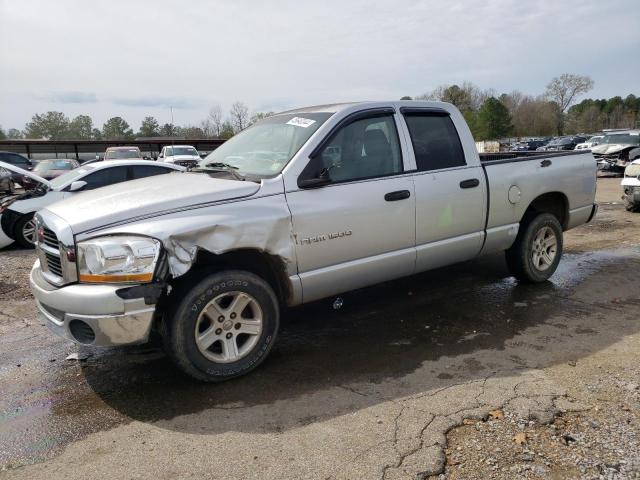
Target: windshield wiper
<point>220,167</point>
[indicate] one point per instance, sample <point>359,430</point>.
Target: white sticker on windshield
<point>301,122</point>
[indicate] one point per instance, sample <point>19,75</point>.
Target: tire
<point>25,231</point>
<point>533,257</point>
<point>630,206</point>
<point>205,308</point>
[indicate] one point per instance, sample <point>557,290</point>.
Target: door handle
<point>471,183</point>
<point>399,195</point>
<point>545,163</point>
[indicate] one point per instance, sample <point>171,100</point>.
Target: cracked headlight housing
<point>118,259</point>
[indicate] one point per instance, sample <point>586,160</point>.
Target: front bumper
<point>91,314</point>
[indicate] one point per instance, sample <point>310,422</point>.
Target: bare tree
<point>239,115</point>
<point>564,89</point>
<point>467,97</point>
<point>215,120</point>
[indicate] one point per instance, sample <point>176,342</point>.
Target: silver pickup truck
<point>303,205</point>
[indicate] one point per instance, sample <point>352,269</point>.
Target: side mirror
<point>77,185</point>
<point>321,180</point>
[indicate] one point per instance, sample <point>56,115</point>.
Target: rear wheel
<point>25,231</point>
<point>223,326</point>
<point>536,252</point>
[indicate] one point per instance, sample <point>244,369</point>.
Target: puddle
<point>379,334</point>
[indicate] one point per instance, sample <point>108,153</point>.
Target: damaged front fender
<point>260,223</point>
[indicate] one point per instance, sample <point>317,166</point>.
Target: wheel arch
<point>555,203</point>
<point>271,268</point>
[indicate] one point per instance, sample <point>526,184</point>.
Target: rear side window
<point>436,143</point>
<point>104,177</point>
<point>142,171</point>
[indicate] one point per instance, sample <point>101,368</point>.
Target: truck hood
<point>610,148</point>
<point>147,196</point>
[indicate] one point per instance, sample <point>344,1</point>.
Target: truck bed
<point>507,157</point>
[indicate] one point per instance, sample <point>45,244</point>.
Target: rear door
<point>450,195</point>
<point>359,229</point>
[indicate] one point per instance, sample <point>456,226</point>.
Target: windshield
<point>123,153</point>
<point>71,176</point>
<point>264,149</point>
<point>624,138</point>
<point>171,151</point>
<point>46,165</point>
<point>594,139</point>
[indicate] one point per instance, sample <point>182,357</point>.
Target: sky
<point>136,58</point>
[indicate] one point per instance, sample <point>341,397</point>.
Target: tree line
<point>57,126</point>
<point>556,111</point>
<point>553,112</point>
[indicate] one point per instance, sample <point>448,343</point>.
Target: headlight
<point>118,259</point>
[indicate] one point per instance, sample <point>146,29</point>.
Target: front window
<point>264,149</point>
<point>174,151</point>
<point>70,176</point>
<point>122,154</point>
<point>623,138</point>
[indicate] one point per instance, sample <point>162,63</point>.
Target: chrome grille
<point>55,248</point>
<point>49,238</point>
<point>53,264</point>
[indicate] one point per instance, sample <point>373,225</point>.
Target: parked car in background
<point>50,169</point>
<point>122,153</point>
<point>590,143</point>
<point>300,206</point>
<point>528,145</point>
<point>183,155</point>
<point>562,143</point>
<point>16,218</point>
<point>617,150</point>
<point>631,186</point>
<point>17,160</point>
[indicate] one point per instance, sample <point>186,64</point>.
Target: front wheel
<point>223,326</point>
<point>631,206</point>
<point>25,231</point>
<point>536,252</point>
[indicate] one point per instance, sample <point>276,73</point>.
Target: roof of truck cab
<point>337,107</point>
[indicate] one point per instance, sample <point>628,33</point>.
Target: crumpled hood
<point>26,173</point>
<point>610,148</point>
<point>147,196</point>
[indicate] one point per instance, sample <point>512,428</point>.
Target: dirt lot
<point>457,373</point>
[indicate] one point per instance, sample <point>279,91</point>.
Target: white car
<point>183,155</point>
<point>16,211</point>
<point>590,143</point>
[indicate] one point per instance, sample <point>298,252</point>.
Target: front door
<point>360,228</point>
